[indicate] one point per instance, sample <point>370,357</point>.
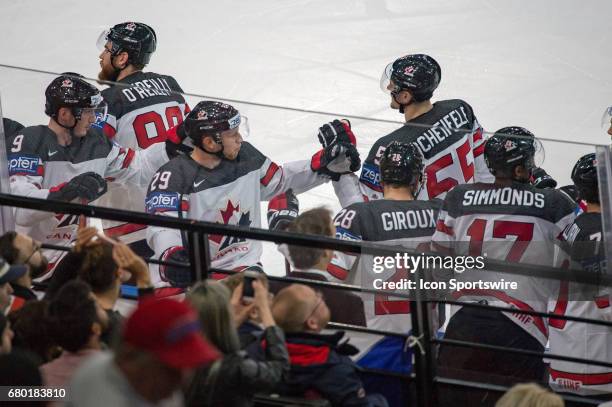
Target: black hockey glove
<point>336,160</point>
<point>282,210</point>
<point>89,186</point>
<point>540,179</point>
<point>176,275</point>
<point>336,132</point>
<point>175,142</point>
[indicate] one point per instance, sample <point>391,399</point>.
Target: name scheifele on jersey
<point>451,118</point>
<point>444,135</point>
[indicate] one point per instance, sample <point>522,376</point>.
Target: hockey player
<point>67,160</point>
<point>396,219</point>
<point>224,180</point>
<point>446,132</point>
<point>509,220</point>
<point>141,107</point>
<point>583,241</point>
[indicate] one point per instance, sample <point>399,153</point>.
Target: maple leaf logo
<point>227,215</point>
<point>230,209</point>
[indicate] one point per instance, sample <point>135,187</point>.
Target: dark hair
<point>98,268</point>
<point>316,221</point>
<point>8,251</point>
<point>19,368</point>
<point>71,315</point>
<point>30,323</point>
<point>64,272</point>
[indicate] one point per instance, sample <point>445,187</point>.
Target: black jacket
<point>236,378</point>
<point>321,368</point>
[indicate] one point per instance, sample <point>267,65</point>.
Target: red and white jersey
<point>408,224</point>
<point>517,224</point>
<point>230,194</point>
<point>38,163</point>
<point>452,143</point>
<point>582,241</point>
<point>140,110</point>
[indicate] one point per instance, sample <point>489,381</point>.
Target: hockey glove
<point>336,132</point>
<point>175,142</point>
<point>336,160</point>
<point>177,276</point>
<point>282,210</point>
<point>540,179</point>
<point>89,186</point>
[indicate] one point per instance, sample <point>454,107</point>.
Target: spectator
<point>529,395</point>
<point>160,346</point>
<point>20,249</point>
<point>31,326</point>
<point>320,365</point>
<point>251,329</point>
<point>311,263</point>
<point>8,274</point>
<point>104,267</point>
<point>6,335</point>
<point>76,323</point>
<point>234,380</point>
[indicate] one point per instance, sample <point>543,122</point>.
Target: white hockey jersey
<point>139,114</point>
<point>229,194</point>
<point>38,163</point>
<point>582,240</point>
<point>407,224</point>
<point>517,224</point>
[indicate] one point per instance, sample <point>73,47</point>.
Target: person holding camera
<point>234,379</point>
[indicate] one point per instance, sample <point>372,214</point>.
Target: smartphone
<point>247,287</point>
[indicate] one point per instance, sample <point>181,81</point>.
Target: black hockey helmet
<point>137,39</point>
<point>510,147</point>
<point>402,164</point>
<point>209,118</point>
<point>584,176</point>
<point>419,74</point>
<point>70,90</point>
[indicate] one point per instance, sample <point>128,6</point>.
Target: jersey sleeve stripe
<point>337,271</point>
<point>441,227</point>
<point>272,169</point>
<point>587,379</point>
<point>109,130</point>
<point>128,158</point>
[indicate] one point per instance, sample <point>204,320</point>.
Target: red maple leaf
<point>226,215</point>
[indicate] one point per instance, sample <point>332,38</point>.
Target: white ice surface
<point>542,64</point>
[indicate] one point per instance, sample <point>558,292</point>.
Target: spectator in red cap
<point>160,346</point>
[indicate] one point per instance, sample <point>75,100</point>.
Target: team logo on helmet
<point>510,145</point>
<point>409,71</point>
<point>66,83</point>
<point>202,115</point>
<point>130,26</point>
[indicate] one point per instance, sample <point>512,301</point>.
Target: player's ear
<point>404,97</point>
<point>121,60</point>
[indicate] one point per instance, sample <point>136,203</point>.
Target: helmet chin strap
<point>71,128</point>
<point>217,153</point>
